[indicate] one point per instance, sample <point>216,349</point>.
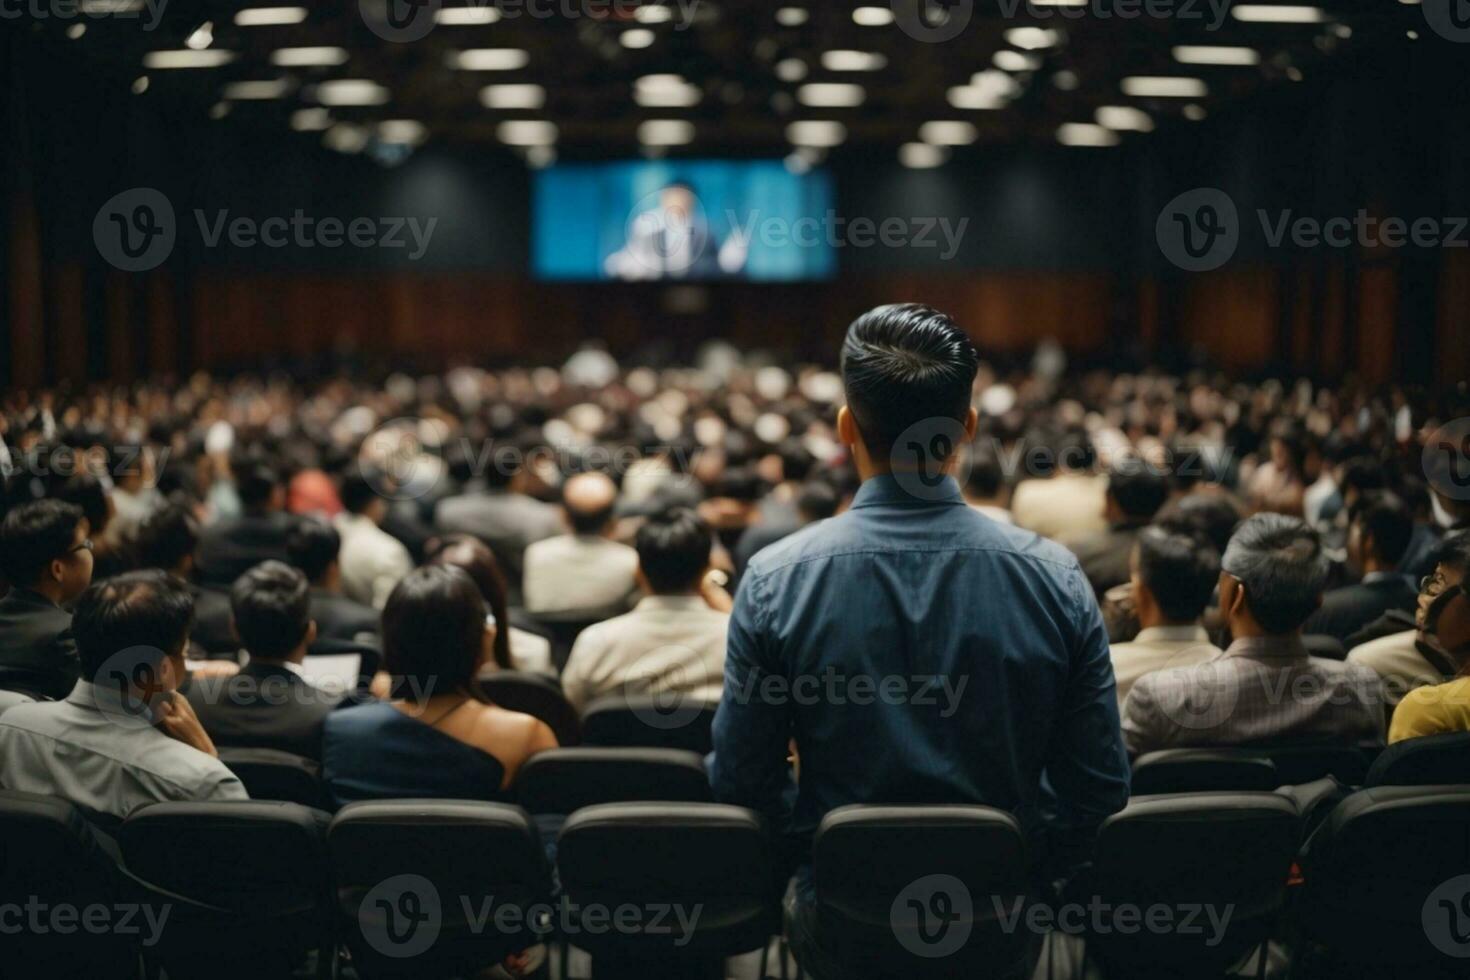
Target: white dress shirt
<point>579,576</point>
<point>1159,648</point>
<point>667,644</point>
<point>1397,660</point>
<point>372,560</point>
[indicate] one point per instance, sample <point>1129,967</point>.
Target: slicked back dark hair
<point>1180,569</point>
<point>312,547</point>
<point>903,364</point>
<point>674,549</point>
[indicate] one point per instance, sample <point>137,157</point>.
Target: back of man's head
<point>134,619</point>
<point>312,546</point>
<point>167,537</point>
<point>271,606</point>
<point>589,500</point>
<point>257,487</point>
<point>1179,570</point>
<point>1279,562</point>
<point>1384,517</point>
<point>901,365</point>
<point>817,501</point>
<point>358,492</point>
<point>1138,491</point>
<point>674,550</point>
<point>34,535</point>
<point>986,477</point>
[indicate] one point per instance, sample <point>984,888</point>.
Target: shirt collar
<point>1188,633</point>
<point>888,490</point>
<point>671,602</point>
<point>1286,647</point>
<point>1381,576</point>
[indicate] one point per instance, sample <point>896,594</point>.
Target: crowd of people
<point>917,578</point>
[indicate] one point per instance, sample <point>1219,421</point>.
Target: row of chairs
<point>664,721</point>
<point>422,887</point>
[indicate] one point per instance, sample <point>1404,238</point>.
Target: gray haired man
<point>1264,686</point>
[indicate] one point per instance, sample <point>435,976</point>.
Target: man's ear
<point>972,422</point>
<point>847,432</point>
<point>57,569</point>
<point>311,632</point>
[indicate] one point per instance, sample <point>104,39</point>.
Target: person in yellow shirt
<point>1445,615</point>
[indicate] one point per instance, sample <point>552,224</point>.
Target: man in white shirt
<point>371,559</point>
<point>1172,576</point>
<point>581,575</point>
<point>1064,498</point>
<point>124,737</point>
<point>673,642</point>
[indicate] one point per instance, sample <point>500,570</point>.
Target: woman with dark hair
<point>436,737</point>
<point>515,649</point>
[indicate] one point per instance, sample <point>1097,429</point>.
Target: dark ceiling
<point>740,59</point>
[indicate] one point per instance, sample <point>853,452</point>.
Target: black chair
<point>563,635</point>
<point>50,852</point>
<point>563,781</point>
<point>436,888</point>
<point>1385,886</point>
<point>1202,771</point>
<point>669,721</point>
<point>666,860</point>
<point>1433,760</point>
<point>1227,852</point>
<point>1303,761</point>
<point>246,882</point>
<point>1325,646</point>
<point>269,774</point>
<point>917,891</point>
<point>534,695</point>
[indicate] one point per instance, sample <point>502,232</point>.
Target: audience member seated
<point>583,575</point>
<point>268,704</point>
<point>372,560</point>
<point>437,738</point>
<point>985,487</point>
<point>1135,494</point>
<point>1444,707</point>
<point>47,557</point>
<point>1062,497</point>
<point>314,548</point>
<point>673,642</point>
<point>495,509</point>
<point>917,651</point>
<point>1379,529</point>
<point>515,649</point>
<point>1279,484</point>
<point>88,492</point>
<point>166,540</point>
<point>816,500</point>
<point>1418,656</point>
<point>231,547</point>
<point>1264,686</point>
<point>1172,577</point>
<point>124,737</point>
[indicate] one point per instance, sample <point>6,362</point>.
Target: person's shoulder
<point>1382,646</point>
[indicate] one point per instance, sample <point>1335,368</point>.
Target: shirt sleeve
<point>223,788</point>
<point>574,675</point>
<point>751,729</point>
<point>1417,715</point>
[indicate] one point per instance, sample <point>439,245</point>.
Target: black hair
<point>312,546</point>
<point>986,477</point>
<point>901,365</point>
<point>1138,490</point>
<point>1209,514</point>
<point>87,492</point>
<point>673,549</point>
<point>256,485</point>
<point>34,535</point>
<point>271,604</point>
<point>1180,570</point>
<point>433,631</point>
<point>817,500</point>
<point>471,554</point>
<point>166,537</point>
<point>143,615</point>
<point>357,492</point>
<point>1386,517</point>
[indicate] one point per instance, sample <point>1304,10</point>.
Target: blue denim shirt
<point>919,652</point>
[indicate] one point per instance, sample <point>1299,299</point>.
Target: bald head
<point>589,499</point>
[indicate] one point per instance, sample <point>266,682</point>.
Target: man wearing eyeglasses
<point>1444,610</point>
<point>1437,647</point>
<point>47,559</point>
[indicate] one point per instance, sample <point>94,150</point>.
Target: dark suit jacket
<point>340,618</point>
<point>1347,610</point>
<point>37,653</point>
<point>262,707</point>
<point>229,549</point>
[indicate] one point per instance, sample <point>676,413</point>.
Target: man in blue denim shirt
<point>915,650</point>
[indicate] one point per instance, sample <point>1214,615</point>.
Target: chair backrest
<point>921,891</point>
<point>50,852</point>
<point>1434,760</point>
<point>563,781</point>
<point>1387,881</point>
<point>1325,646</point>
<point>669,721</point>
<point>1304,760</point>
<point>1218,862</point>
<point>436,887</point>
<point>9,699</point>
<point>700,874</point>
<point>270,774</point>
<point>247,883</point>
<point>534,695</point>
<point>1203,770</point>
